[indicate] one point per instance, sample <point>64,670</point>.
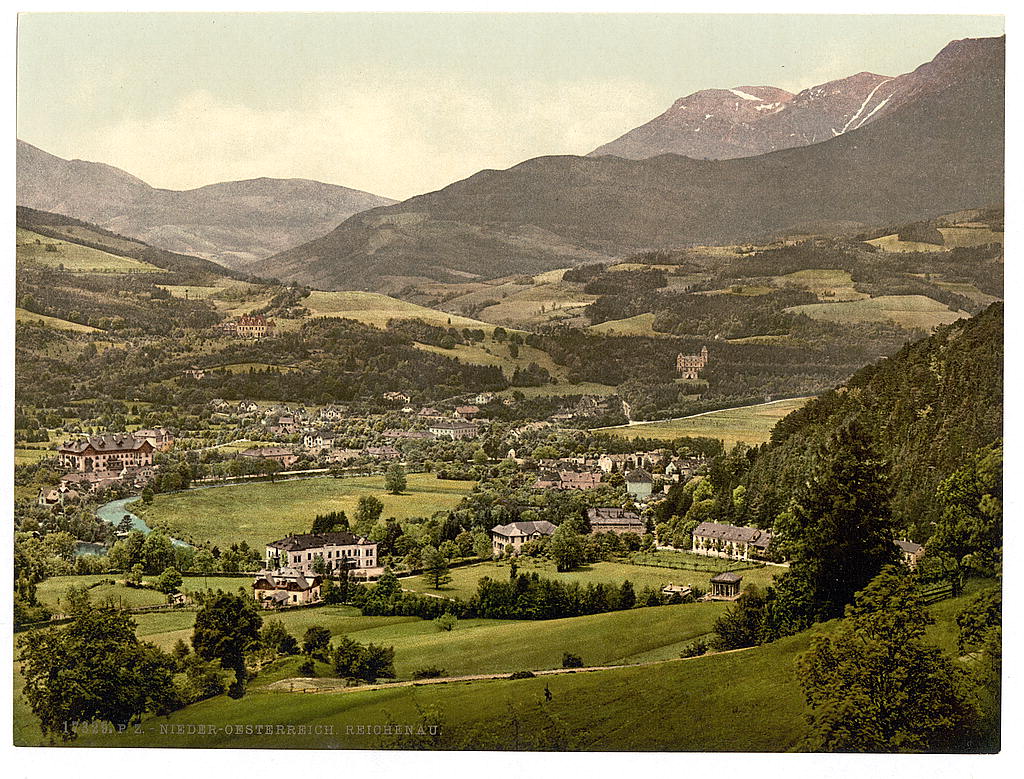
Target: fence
<point>933,593</point>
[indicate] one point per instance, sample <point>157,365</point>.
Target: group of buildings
<point>253,327</point>
<point>96,462</point>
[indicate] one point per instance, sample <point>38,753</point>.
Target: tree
<point>838,531</point>
<point>134,576</point>
<point>169,581</point>
<point>225,627</point>
<point>317,642</point>
<point>483,547</point>
<point>627,596</point>
<point>147,495</point>
<point>94,670</point>
<point>204,563</point>
<point>566,548</point>
<point>876,687</point>
<point>394,479</point>
<point>435,567</point>
<point>368,511</point>
<point>446,622</point>
<point>158,552</point>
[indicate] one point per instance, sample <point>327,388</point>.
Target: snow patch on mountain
<point>744,95</point>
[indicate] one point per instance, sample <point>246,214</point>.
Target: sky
<point>400,104</point>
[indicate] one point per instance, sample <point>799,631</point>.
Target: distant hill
<point>721,124</point>
<point>233,223</point>
<point>939,149</point>
<point>76,231</point>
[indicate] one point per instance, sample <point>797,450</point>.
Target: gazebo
<point>725,586</point>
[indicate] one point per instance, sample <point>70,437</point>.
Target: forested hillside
<point>926,411</point>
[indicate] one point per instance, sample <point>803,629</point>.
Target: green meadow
<point>261,512</point>
<point>41,250</point>
<point>749,424</point>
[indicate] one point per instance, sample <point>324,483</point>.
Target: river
<point>113,513</point>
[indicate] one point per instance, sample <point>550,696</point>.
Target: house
<point>339,550</point>
<point>911,552</point>
<point>331,414</point>
<point>219,404</point>
<point>320,439</point>
<point>689,366</point>
<point>247,407</point>
<point>107,452</point>
<point>193,373</point>
<point>285,425</point>
<point>282,454</point>
<point>681,468</point>
<point>615,520</point>
<point>737,543</point>
<point>254,326</point>
<point>482,398</point>
<point>408,435</point>
<point>57,496</point>
<point>396,397</point>
<point>137,475</point>
<point>161,438</point>
<point>510,538</point>
<point>91,481</point>
<point>343,455</point>
<point>467,412</point>
<point>725,586</point>
<point>382,452</point>
<point>567,480</point>
<point>454,429</point>
<point>286,587</point>
<point>639,483</point>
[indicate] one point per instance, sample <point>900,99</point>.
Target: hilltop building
<point>690,365</point>
<point>255,326</point>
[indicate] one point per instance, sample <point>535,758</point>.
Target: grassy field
<point>749,424</point>
<point>374,309</point>
<point>192,293</point>
<point>263,512</point>
<point>905,310</point>
<point>21,315</point>
<point>245,367</point>
<point>634,325</point>
<point>27,455</point>
<point>465,578</point>
<point>969,236</point>
<point>836,285</point>
<point>32,248</point>
<point>583,388</point>
<point>968,291</point>
<point>686,705</point>
<point>490,352</point>
<point>683,705</point>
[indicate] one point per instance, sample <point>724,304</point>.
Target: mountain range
<point>720,124</point>
<point>935,146</point>
<point>233,223</point>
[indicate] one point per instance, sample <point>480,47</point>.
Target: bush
<point>446,622</point>
<point>570,660</point>
<point>428,673</point>
<point>696,649</point>
<point>307,667</point>
<point>522,675</point>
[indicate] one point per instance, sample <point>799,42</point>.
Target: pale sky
<point>400,104</point>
